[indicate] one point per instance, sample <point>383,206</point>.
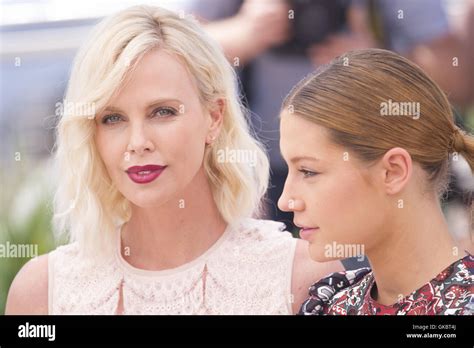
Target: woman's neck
<point>413,253</point>
<point>174,233</point>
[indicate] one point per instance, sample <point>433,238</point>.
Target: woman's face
<point>155,120</point>
<point>329,192</point>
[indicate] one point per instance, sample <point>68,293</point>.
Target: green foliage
<point>36,230</point>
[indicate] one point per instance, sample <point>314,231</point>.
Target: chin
<point>323,250</point>
<point>145,204</point>
<point>147,199</point>
<point>318,254</point>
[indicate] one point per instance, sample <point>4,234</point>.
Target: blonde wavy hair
<point>87,205</point>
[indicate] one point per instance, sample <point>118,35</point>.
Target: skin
<point>236,34</point>
<point>160,134</point>
<point>353,203</point>
<point>434,56</point>
<point>358,36</point>
<point>136,130</point>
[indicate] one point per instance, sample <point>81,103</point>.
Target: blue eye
<point>164,112</point>
<point>307,173</point>
<point>161,112</point>
<point>110,119</point>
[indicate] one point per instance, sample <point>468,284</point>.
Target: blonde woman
<point>157,206</point>
<point>365,174</point>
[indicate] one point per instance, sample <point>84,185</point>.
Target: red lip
<point>145,174</point>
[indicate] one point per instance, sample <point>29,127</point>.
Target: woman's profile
<point>368,139</point>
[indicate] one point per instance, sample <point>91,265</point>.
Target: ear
<point>397,170</point>
<point>216,113</point>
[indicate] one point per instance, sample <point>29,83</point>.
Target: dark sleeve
<point>355,263</point>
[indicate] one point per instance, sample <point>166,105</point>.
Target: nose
<point>139,140</point>
<point>289,201</point>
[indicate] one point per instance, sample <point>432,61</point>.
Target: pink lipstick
<point>145,174</point>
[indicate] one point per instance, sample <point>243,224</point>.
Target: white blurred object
<point>463,173</point>
<point>456,11</point>
<point>36,189</point>
<point>458,218</point>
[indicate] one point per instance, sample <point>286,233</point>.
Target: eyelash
<point>308,173</point>
<point>171,112</point>
<point>105,119</point>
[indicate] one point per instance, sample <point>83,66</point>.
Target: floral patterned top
<point>349,293</point>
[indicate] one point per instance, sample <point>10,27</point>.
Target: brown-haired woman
<point>368,140</point>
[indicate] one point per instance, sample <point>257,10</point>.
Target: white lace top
<point>247,271</point>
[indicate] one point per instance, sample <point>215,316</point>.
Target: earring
<point>211,139</point>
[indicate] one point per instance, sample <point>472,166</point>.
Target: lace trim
<point>246,272</point>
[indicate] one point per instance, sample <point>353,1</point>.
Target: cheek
<point>346,195</point>
<point>110,151</point>
<point>183,146</point>
<point>346,209</point>
<point>333,198</point>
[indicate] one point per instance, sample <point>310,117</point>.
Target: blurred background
<point>271,43</point>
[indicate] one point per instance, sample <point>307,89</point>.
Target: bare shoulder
<point>307,271</point>
<point>28,292</point>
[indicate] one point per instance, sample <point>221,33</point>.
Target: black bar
<point>287,330</point>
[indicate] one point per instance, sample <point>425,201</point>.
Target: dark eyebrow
<point>151,105</point>
<point>301,158</point>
